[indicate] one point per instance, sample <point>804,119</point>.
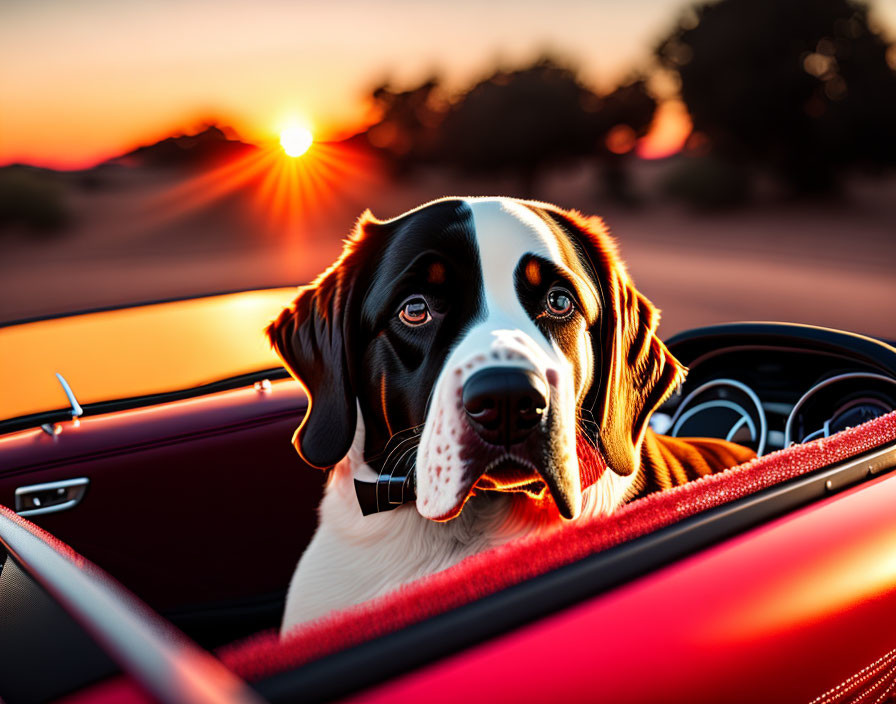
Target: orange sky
<point>80,82</point>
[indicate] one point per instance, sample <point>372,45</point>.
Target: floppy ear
<point>634,372</point>
<point>640,376</point>
<point>312,337</point>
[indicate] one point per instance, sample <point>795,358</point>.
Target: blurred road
<point>828,264</point>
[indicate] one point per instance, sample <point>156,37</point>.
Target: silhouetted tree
<point>525,120</point>
<point>516,122</point>
<point>520,121</point>
<point>622,118</point>
<point>405,132</point>
<point>32,199</point>
<point>802,86</point>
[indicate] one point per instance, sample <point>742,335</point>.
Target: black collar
<point>396,481</point>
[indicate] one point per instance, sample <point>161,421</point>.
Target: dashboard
<point>769,385</point>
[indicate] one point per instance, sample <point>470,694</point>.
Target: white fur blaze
<point>507,336</point>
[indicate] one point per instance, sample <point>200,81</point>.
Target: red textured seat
<point>489,572</point>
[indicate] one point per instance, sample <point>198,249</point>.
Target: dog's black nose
<point>505,404</point>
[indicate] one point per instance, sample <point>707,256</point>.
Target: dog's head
<point>507,330</point>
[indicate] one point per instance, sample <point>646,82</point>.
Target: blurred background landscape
<point>742,151</point>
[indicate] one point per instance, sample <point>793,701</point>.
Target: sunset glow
<point>668,133</point>
<point>122,77</point>
<point>287,195</point>
<point>296,140</point>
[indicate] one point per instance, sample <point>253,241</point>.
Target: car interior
<point>194,502</point>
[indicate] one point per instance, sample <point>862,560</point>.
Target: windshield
<point>138,351</point>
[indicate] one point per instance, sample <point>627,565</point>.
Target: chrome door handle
<point>51,497</point>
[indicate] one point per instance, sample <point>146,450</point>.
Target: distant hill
<point>204,148</point>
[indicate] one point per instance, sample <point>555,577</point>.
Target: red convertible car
<point>152,510</point>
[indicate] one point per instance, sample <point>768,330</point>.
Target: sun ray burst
<point>287,197</point>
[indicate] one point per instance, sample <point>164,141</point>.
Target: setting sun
<point>296,140</point>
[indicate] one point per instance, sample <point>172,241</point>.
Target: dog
<point>478,370</point>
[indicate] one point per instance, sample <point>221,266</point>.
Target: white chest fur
<point>353,558</point>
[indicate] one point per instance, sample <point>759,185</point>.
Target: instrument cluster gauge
<point>840,402</point>
<point>721,408</point>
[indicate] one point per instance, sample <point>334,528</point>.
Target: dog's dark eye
<point>414,313</point>
<point>559,302</point>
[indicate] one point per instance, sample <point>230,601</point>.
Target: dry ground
<point>136,239</point>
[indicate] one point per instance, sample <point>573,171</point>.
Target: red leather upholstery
<point>500,568</point>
